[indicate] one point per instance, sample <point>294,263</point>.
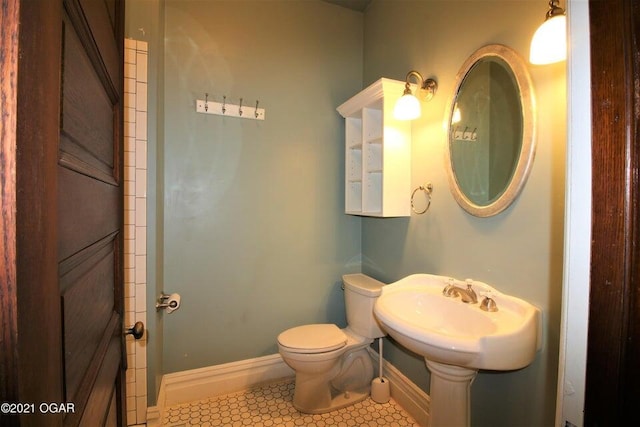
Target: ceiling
<point>359,5</point>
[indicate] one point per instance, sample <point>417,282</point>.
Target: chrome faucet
<point>449,290</point>
<point>467,295</point>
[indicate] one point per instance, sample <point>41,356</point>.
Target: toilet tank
<point>360,295</point>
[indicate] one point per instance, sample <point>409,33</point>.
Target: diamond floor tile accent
<point>270,406</point>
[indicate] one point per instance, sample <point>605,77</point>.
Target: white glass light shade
<point>549,43</point>
<point>407,108</point>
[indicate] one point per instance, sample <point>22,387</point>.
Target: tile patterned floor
<point>270,406</point>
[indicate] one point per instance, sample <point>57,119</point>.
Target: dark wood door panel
<point>89,210</point>
<point>89,112</point>
<point>612,391</point>
<point>98,386</point>
<point>87,307</point>
<point>99,15</point>
<point>101,35</point>
<point>112,9</point>
<point>99,401</point>
<point>112,417</point>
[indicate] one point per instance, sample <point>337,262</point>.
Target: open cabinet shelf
<point>378,153</point>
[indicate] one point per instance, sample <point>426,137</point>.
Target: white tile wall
<point>135,231</point>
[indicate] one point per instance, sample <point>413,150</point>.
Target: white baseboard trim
<point>202,383</point>
<point>154,416</point>
<point>404,391</point>
<point>196,384</point>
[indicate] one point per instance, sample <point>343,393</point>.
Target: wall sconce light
<point>408,106</point>
<point>549,43</point>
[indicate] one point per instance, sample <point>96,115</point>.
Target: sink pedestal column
<point>450,394</point>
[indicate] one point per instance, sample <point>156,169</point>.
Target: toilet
<point>332,365</point>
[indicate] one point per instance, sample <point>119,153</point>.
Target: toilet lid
<point>316,338</point>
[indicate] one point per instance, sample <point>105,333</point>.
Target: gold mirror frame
<point>528,146</point>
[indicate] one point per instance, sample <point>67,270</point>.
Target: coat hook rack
<point>225,108</point>
<point>466,134</point>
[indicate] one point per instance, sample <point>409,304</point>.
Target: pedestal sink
<point>457,338</point>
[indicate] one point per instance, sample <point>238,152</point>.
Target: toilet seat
<point>316,338</point>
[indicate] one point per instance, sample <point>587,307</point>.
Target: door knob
<point>136,330</point>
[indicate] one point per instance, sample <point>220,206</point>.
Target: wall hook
<point>229,109</point>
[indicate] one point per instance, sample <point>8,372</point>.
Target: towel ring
<point>427,189</point>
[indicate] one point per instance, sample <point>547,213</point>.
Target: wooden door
<point>62,336</point>
<point>90,210</point>
<point>613,352</point>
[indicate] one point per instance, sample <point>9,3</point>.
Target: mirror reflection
<point>490,124</point>
<point>487,131</point>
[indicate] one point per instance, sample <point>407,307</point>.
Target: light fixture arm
<point>554,9</point>
<point>428,86</point>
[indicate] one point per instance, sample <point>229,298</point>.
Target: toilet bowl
<point>332,365</point>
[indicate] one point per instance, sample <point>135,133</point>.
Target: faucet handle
<point>470,289</point>
<point>449,290</point>
<point>488,304</point>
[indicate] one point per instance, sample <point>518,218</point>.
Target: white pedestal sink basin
<point>457,338</point>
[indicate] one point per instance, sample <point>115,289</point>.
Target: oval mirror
<point>491,125</point>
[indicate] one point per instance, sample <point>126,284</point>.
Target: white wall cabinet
<point>378,153</point>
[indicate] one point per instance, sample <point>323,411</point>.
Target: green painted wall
<point>255,238</point>
<point>518,251</point>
